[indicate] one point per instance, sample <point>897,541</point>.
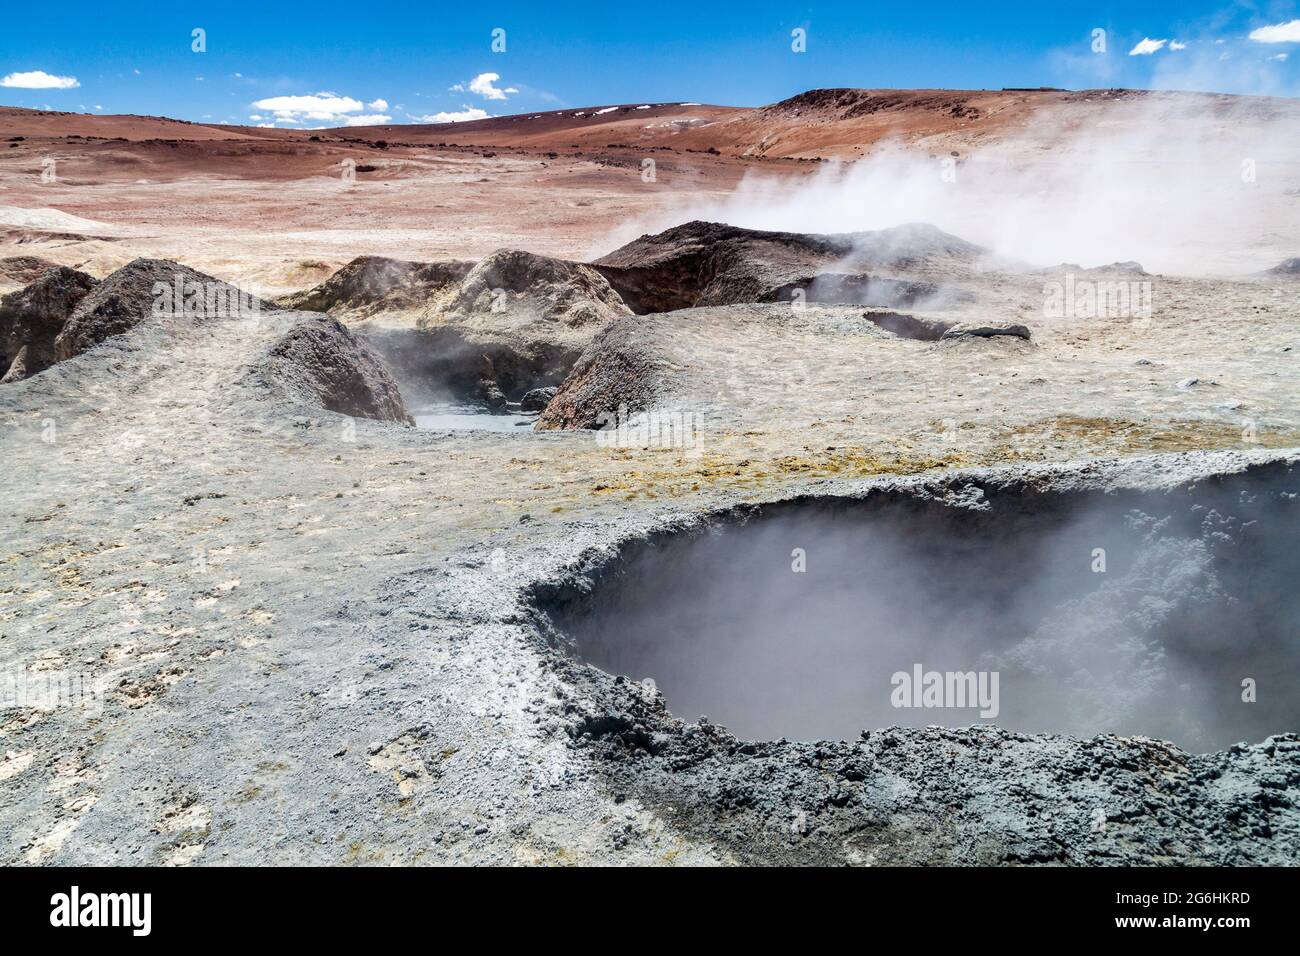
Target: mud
<point>932,794</point>
<point>1126,613</point>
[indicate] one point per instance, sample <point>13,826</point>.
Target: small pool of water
<point>440,416</point>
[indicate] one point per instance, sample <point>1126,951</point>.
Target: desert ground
<point>322,627</point>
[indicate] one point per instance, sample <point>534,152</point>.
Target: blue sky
<point>324,63</point>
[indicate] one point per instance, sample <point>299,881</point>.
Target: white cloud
<point>1278,33</point>
<point>328,108</point>
<point>1280,57</point>
<point>1147,47</point>
<point>375,119</point>
<point>318,102</point>
<point>39,80</point>
<point>1175,45</point>
<point>484,85</point>
<point>466,114</point>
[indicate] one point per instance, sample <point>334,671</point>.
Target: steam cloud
<point>1193,599</point>
<point>1184,185</point>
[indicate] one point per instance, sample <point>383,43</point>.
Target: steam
<point>1187,602</point>
<point>1184,184</point>
<point>845,289</point>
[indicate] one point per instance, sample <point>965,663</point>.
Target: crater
<point>450,383</point>
<point>1168,614</point>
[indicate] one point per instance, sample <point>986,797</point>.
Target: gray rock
<point>537,399</point>
<point>708,263</point>
<point>909,326</point>
<point>372,285</point>
<point>32,318</point>
<point>17,368</point>
<point>511,287</point>
<point>985,330</point>
<point>141,288</point>
<point>320,362</point>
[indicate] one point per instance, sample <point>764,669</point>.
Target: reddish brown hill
<point>821,123</point>
<point>15,121</point>
<point>817,124</point>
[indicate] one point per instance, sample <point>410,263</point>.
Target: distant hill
<point>817,124</point>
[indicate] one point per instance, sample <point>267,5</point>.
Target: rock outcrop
<point>515,289</point>
<point>517,322</point>
<point>986,330</point>
<point>619,372</point>
<point>909,326</point>
<point>31,319</point>
<point>17,368</point>
<point>537,399</point>
<point>833,288</point>
<point>319,362</point>
<point>145,287</point>
<point>931,328</point>
<point>372,285</point>
<point>709,263</point>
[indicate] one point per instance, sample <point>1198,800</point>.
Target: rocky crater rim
<point>1190,603</point>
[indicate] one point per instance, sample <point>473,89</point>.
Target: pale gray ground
<point>318,638</point>
<point>313,639</point>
